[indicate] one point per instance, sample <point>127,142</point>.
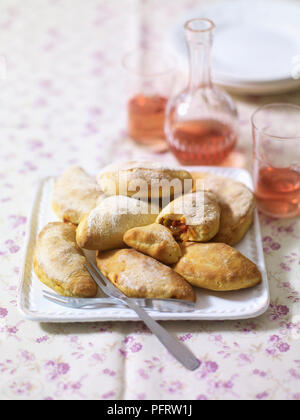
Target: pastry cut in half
<point>192,217</point>
<point>75,194</point>
<point>59,262</point>
<point>148,180</point>
<point>154,240</point>
<point>104,227</point>
<point>217,267</point>
<point>140,276</point>
<point>237,204</point>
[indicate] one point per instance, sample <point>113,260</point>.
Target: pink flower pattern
<point>63,104</point>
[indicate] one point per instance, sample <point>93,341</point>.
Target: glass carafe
<point>201,122</point>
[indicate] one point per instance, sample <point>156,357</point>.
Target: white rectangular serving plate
<point>210,306</point>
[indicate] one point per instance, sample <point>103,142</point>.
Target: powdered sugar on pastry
<point>197,208</point>
<point>229,191</point>
<point>105,226</point>
<point>138,275</point>
<point>75,194</point>
<point>237,206</point>
<point>149,179</point>
<point>192,217</point>
<point>59,262</point>
<point>117,207</point>
<point>56,242</point>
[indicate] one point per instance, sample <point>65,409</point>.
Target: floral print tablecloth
<point>61,104</point>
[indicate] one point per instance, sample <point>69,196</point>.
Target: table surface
<point>61,104</point>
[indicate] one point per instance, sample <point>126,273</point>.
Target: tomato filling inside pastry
<point>179,229</point>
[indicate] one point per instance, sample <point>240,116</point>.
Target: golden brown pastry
<point>140,276</point>
<point>192,217</point>
<point>237,206</point>
<point>104,227</point>
<point>154,240</point>
<point>59,263</point>
<point>75,194</point>
<point>144,180</point>
<point>217,267</point>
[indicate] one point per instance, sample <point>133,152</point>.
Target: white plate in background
<point>257,44</point>
<point>243,304</point>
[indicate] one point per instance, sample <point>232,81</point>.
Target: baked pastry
<point>217,267</point>
<point>140,276</point>
<point>144,180</point>
<point>104,227</point>
<point>237,204</point>
<point>59,263</point>
<point>154,240</point>
<point>192,217</point>
<point>75,194</point>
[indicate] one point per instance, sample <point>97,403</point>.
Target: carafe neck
<point>199,37</point>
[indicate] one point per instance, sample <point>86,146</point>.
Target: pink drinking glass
<point>150,80</point>
<point>276,147</point>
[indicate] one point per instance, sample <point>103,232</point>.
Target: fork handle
<point>175,347</point>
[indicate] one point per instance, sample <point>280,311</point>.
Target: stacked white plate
<point>257,44</point>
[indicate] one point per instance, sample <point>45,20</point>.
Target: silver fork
<point>175,347</point>
<point>78,303</point>
<point>161,305</point>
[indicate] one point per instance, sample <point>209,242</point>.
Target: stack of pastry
<point>158,232</point>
